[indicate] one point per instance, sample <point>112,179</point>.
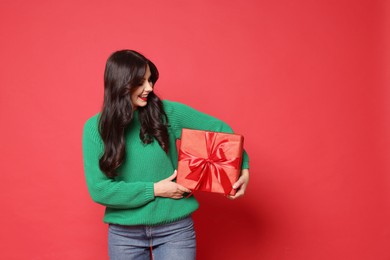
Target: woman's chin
<point>141,104</point>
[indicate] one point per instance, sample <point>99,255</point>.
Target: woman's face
<point>139,97</point>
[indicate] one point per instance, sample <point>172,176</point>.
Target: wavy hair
<point>124,72</point>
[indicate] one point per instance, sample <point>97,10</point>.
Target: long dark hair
<point>124,72</point>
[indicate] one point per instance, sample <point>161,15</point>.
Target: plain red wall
<point>306,82</point>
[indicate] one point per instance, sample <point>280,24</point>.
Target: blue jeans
<point>171,241</point>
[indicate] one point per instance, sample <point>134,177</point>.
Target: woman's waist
<point>158,211</point>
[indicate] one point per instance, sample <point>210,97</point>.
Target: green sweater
<point>129,198</point>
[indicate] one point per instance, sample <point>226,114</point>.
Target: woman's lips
<point>144,98</point>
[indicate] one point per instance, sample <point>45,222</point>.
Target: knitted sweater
<point>129,198</point>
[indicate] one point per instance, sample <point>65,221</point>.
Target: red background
<point>306,82</point>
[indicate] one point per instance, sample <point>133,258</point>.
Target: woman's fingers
<point>240,185</point>
<point>183,189</point>
<point>238,194</point>
<point>172,177</point>
<point>179,192</point>
<point>169,188</point>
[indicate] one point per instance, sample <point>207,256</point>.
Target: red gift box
<point>209,161</point>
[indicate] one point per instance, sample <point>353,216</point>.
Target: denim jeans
<point>173,241</point>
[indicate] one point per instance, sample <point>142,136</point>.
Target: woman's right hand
<point>169,189</point>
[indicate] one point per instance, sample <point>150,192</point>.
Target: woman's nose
<point>149,86</point>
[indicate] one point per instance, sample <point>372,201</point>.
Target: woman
<point>130,158</point>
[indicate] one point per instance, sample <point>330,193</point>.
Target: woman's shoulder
<point>172,106</point>
<point>92,122</point>
<point>91,130</point>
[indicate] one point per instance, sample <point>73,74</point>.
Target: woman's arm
<point>182,116</point>
<point>104,190</point>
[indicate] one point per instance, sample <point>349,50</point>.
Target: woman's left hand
<point>241,184</point>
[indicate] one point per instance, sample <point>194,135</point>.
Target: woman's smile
<point>145,98</point>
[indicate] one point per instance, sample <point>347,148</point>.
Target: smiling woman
<point>124,83</point>
<point>132,175</point>
<point>139,96</point>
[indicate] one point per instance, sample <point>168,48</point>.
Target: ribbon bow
<point>203,169</point>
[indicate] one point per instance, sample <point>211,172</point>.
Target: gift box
<point>209,161</point>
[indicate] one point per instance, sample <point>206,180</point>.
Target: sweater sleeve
<point>103,190</point>
<point>182,116</point>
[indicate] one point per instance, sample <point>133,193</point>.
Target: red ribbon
<point>203,169</point>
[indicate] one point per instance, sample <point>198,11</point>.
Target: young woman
<point>130,157</point>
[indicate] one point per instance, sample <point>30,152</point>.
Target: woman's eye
<point>143,82</point>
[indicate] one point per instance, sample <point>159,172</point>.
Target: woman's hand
<point>169,189</point>
<point>241,184</point>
